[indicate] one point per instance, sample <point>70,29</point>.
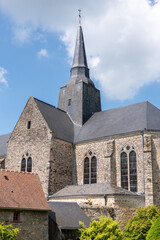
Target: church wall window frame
<point>90,166</point>
<point>130,172</point>
<point>26,162</point>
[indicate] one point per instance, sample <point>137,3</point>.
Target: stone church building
<point>81,153</point>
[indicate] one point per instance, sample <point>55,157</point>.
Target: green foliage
<point>7,232</point>
<point>104,229</point>
<point>138,226</point>
<point>154,232</point>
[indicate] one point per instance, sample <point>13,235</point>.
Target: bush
<point>154,232</point>
<point>7,232</point>
<point>138,226</point>
<point>105,228</point>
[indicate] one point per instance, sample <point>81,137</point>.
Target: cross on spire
<point>79,10</point>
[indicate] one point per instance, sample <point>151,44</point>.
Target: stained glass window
<point>29,164</point>
<point>86,170</point>
<point>93,169</point>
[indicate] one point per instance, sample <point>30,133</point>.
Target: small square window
<point>29,125</point>
<point>16,217</point>
<point>69,102</point>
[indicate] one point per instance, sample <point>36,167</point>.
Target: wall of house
<point>32,225</point>
<point>34,142</point>
<point>107,152</point>
<point>60,165</point>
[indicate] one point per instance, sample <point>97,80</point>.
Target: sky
<point>37,40</point>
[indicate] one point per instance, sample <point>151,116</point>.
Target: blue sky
<point>36,47</point>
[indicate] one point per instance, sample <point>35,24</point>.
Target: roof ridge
<point>122,107</point>
<point>16,171</point>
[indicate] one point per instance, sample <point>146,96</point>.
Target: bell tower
<point>79,97</point>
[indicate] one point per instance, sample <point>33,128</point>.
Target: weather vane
<point>79,10</point>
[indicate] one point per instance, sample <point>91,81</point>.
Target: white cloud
<point>42,53</point>
<point>122,37</point>
<point>3,80</point>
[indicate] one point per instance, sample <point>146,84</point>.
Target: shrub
<point>138,226</point>
<point>154,232</point>
<point>105,228</point>
<point>7,232</point>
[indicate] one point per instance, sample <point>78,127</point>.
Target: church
<point>83,154</point>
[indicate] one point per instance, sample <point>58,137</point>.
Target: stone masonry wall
<point>33,224</point>
<point>60,165</point>
<point>156,168</point>
<point>34,142</point>
<point>107,152</point>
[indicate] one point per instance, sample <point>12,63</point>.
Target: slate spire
<point>80,66</point>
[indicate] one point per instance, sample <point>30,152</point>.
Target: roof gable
<point>21,190</point>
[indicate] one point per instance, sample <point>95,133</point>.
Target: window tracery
<point>90,168</point>
<point>129,168</point>
<point>26,163</point>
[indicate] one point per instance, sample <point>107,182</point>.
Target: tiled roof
<point>91,190</point>
<point>21,190</point>
<point>67,215</point>
<point>3,144</point>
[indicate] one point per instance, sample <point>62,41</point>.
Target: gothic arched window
<point>129,169</point>
<point>26,163</point>
<point>124,170</point>
<point>29,164</point>
<point>23,165</point>
<point>86,170</point>
<point>90,169</point>
<point>133,171</point>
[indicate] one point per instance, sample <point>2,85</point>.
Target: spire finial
<point>79,10</point>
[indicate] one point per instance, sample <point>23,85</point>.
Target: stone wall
<point>60,165</point>
<point>107,152</point>
<point>34,142</point>
<point>156,168</point>
<point>32,225</point>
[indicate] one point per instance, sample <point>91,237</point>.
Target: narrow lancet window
<point>23,165</point>
<point>124,170</point>
<point>133,171</point>
<point>86,170</point>
<point>29,164</point>
<point>93,169</point>
<point>29,125</point>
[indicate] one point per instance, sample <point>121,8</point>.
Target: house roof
<point>21,190</point>
<point>3,144</point>
<point>58,121</point>
<point>67,215</point>
<point>131,118</point>
<point>97,189</point>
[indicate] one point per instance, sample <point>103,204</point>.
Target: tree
<point>138,226</point>
<point>104,229</point>
<point>154,232</point>
<point>7,232</point>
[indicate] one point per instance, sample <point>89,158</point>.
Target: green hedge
<point>154,232</point>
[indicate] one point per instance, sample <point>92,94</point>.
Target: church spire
<point>80,67</point>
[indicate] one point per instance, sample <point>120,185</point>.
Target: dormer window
<point>29,125</point>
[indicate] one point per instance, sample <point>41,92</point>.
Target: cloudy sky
<point>37,39</point>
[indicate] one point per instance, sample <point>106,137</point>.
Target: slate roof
<point>97,189</point>
<point>3,144</point>
<point>131,118</point>
<point>67,215</point>
<point>58,121</point>
<point>21,190</point>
